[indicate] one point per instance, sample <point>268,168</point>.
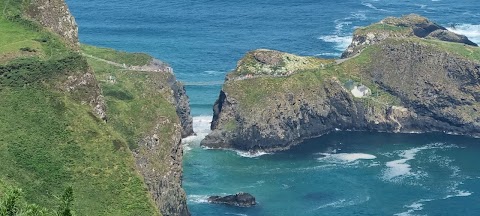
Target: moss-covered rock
<point>409,26</point>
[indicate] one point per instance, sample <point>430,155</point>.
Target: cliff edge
<point>390,80</point>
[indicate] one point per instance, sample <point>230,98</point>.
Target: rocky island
<point>400,75</point>
<point>102,125</point>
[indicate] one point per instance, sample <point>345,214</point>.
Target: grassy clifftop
<point>51,138</point>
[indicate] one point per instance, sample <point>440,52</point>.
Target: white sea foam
<point>198,198</point>
<point>455,192</point>
<point>459,193</point>
<point>330,54</point>
<point>422,6</point>
<point>341,42</point>
<point>344,203</point>
<point>201,127</point>
<point>400,168</point>
<point>416,206</point>
<point>346,157</point>
<point>236,214</point>
<point>469,30</point>
<point>370,5</point>
<point>213,72</point>
<point>251,154</point>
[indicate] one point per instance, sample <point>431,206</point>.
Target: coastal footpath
<point>401,75</point>
<point>99,126</point>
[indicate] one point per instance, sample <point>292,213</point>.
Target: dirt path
<point>154,66</point>
<point>339,61</point>
<point>105,61</point>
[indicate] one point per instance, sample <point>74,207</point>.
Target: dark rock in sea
<point>239,199</point>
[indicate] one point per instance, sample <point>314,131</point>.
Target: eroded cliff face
<point>161,167</point>
<point>182,106</point>
<point>55,15</point>
<point>415,85</point>
<point>159,154</point>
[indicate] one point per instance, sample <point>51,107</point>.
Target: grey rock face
<point>446,35</point>
<point>160,163</point>
<point>163,178</point>
<point>182,106</point>
<point>55,15</point>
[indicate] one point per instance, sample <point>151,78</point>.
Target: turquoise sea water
<point>344,173</point>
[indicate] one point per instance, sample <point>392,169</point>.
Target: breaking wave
<point>469,30</point>
<point>201,127</point>
<point>197,198</point>
<point>346,157</point>
<point>253,154</point>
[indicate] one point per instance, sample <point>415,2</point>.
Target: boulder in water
<point>239,199</point>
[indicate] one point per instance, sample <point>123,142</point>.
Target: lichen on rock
<point>55,15</point>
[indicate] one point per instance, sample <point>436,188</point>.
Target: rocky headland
<point>400,75</point>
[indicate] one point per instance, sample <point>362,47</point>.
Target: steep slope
<point>54,128</point>
<point>400,83</point>
<point>144,103</point>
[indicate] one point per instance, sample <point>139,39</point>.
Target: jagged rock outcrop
<point>85,86</point>
<point>182,106</point>
<point>407,26</point>
<point>160,153</point>
<point>55,15</point>
<point>239,199</point>
<point>419,85</point>
<point>163,178</point>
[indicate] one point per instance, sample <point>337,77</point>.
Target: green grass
<point>257,94</point>
<point>29,71</point>
<point>136,102</point>
<point>378,27</point>
<point>469,52</point>
<point>19,34</point>
<point>49,140</point>
<point>74,149</point>
<point>129,59</point>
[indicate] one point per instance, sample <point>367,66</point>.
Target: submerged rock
<point>239,199</point>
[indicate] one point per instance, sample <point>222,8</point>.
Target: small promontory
<point>401,75</point>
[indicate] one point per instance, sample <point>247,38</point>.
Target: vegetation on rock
<point>417,83</point>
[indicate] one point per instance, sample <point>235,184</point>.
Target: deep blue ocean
<point>344,173</point>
